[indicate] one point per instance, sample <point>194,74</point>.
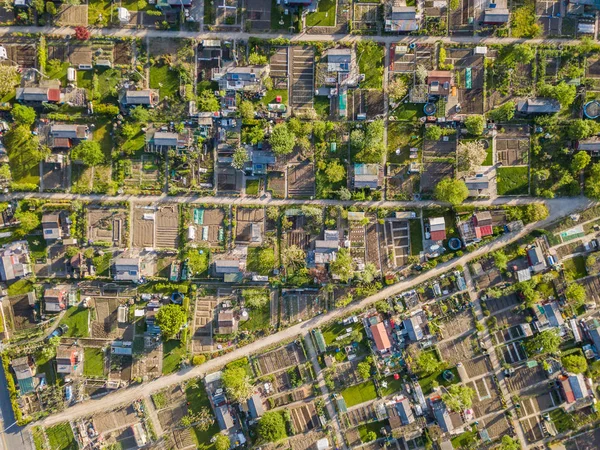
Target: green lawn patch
<point>359,393</point>
<point>81,177</point>
<point>512,180</point>
<point>37,246</point>
<point>427,382</point>
<point>93,362</point>
<point>165,80</point>
<point>84,79</point>
<point>60,437</point>
<point>563,421</point>
<point>255,258</point>
<point>102,264</point>
<point>375,427</point>
<point>97,8</point>
<point>277,15</point>
<point>393,386</point>
<point>575,267</point>
<point>252,187</point>
<point>409,111</point>
<point>322,106</point>
<point>489,156</point>
<point>136,144</point>
<point>403,136</point>
<point>271,96</point>
<point>77,319</point>
<point>198,399</point>
<point>416,237</point>
<point>20,287</point>
<point>136,5</point>
<point>335,329</point>
<point>55,70</point>
<point>108,79</point>
<point>324,16</point>
<point>259,319</point>
<point>173,353</point>
<point>370,55</point>
<point>466,439</point>
<point>102,136</point>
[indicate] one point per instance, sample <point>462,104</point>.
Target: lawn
<point>427,382</point>
<point>102,136</point>
<point>574,268</point>
<point>409,111</point>
<point>416,237</point>
<point>197,399</point>
<point>335,329</point>
<point>84,79</point>
<point>24,164</point>
<point>402,136</point>
<point>255,255</point>
<point>375,427</point>
<point>60,437</point>
<point>173,353</point>
<point>81,176</point>
<point>562,420</point>
<point>97,8</point>
<point>165,80</point>
<point>393,386</point>
<point>272,95</point>
<point>135,145</point>
<point>512,180</point>
<point>108,79</point>
<point>37,246</point>
<point>277,15</point>
<point>359,393</point>
<point>252,187</point>
<point>20,287</point>
<point>489,157</point>
<point>370,61</point>
<point>260,319</point>
<point>102,264</point>
<point>466,439</point>
<point>324,16</point>
<point>322,106</point>
<point>93,362</point>
<point>77,319</point>
<point>55,70</point>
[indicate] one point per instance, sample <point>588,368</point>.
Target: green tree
<point>271,427</point>
<point>344,194</point>
<point>562,92</point>
<point>253,135</point>
<point>282,139</point>
<point>374,147</point>
<point>256,298</point>
<point>364,368</point>
<point>237,383</point>
<point>38,6</point>
<point>535,212</point>
<point>470,155</point>
<point>575,363</point>
<point>582,128</point>
<point>427,363</point>
<point>500,260</point>
<point>247,110</point>
<point>293,257</point>
<point>523,53</point>
<point>257,60</point>
<point>397,89</point>
<point>9,79</point>
<point>207,102</point>
<point>343,266</point>
<point>265,260</point>
<point>240,158</point>
<point>509,443</point>
<point>575,294</point>
<point>546,342</point>
<point>503,113</point>
<point>140,114</point>
<point>335,172</point>
<point>89,152</point>
<point>222,442</point>
<point>357,140</point>
<point>433,133</point>
<point>23,115</point>
<point>580,161</point>
<point>475,124</point>
<point>592,182</point>
<point>29,222</point>
<point>170,318</point>
<point>370,436</point>
<point>458,397</point>
<point>452,191</point>
<point>51,8</point>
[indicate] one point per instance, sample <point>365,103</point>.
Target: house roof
<point>413,327</point>
<point>553,313</point>
<point>255,406</point>
<point>437,223</point>
<point>439,75</point>
<point>535,256</point>
<point>224,417</point>
<point>477,183</point>
<point>125,263</point>
<point>68,130</point>
<point>141,97</point>
<point>405,412</point>
<point>380,336</point>
<point>590,144</point>
<point>483,218</point>
<point>496,15</point>
<point>438,235</point>
<point>578,386</point>
<point>538,106</point>
<point>569,396</point>
<point>486,230</point>
<point>442,416</point>
<point>162,138</point>
<point>227,265</point>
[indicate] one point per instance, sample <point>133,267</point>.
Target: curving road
<point>128,395</point>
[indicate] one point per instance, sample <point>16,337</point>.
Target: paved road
<point>301,37</point>
<point>128,395</point>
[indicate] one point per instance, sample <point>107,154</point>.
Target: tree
<point>263,261</point>
<point>282,139</point>
<point>29,221</point>
<point>343,266</point>
<point>89,152</point>
<point>198,360</point>
<point>433,133</point>
<point>293,258</point>
<point>458,397</point>
<point>562,92</point>
<point>9,79</point>
<point>364,368</point>
<point>535,212</point>
<point>23,115</point>
<point>523,53</point>
<point>528,292</point>
<point>257,60</point>
<point>369,273</point>
<point>82,33</point>
<point>470,155</point>
<point>140,114</point>
<point>240,158</point>
<point>247,110</point>
<point>475,124</point>
<point>508,443</point>
<point>222,442</point>
<point>39,6</point>
<point>357,140</point>
<point>500,260</point>
<point>546,342</point>
<point>575,363</point>
<point>256,298</point>
<point>421,74</point>
<point>203,419</point>
<point>335,171</point>
<point>271,427</point>
<point>580,161</point>
<point>5,175</point>
<point>427,363</point>
<point>370,436</point>
<point>207,102</point>
<point>592,182</point>
<point>503,113</point>
<point>170,319</point>
<point>344,194</point>
<point>452,191</point>
<point>582,128</point>
<point>575,294</point>
<point>397,89</point>
<point>237,383</point>
<point>51,8</point>
<point>374,147</point>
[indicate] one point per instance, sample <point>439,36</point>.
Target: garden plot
<point>72,15</point>
<point>532,429</point>
<point>397,242</point>
<point>372,237</point>
<point>363,101</point>
<point>258,13</point>
<point>526,377</point>
<point>540,400</point>
<point>181,439</point>
<point>143,227</point>
<point>298,236</point>
<point>279,68</point>
<point>20,312</point>
<point>73,54</point>
<point>114,420</point>
<point>229,180</point>
<point>23,54</point>
<point>170,417</point>
<point>401,185</point>
<point>485,273</point>
<point>279,359</point>
<point>510,334</point>
<point>353,438</point>
<point>209,226</point>
<point>167,226</point>
<point>509,318</point>
<point>202,340</point>
<point>512,151</point>
<point>144,175</point>
<point>105,326</point>
<point>458,20</point>
<point>458,324</point>
<point>425,55</point>
<point>592,289</point>
<point>459,349</point>
<point>304,418</point>
<point>303,68</point>
<point>585,441</point>
<point>478,366</point>
<point>440,149</point>
<point>276,184</point>
<point>149,366</point>
<point>122,53</point>
<point>345,374</point>
<point>356,235</point>
<point>226,12</point>
<point>365,14</point>
<point>497,426</point>
<point>486,400</point>
<point>301,180</point>
<point>245,218</point>
<point>360,415</point>
<point>402,62</point>
<point>504,302</point>
<point>301,305</point>
<point>54,174</point>
<point>107,224</point>
<point>433,173</point>
<point>297,395</point>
